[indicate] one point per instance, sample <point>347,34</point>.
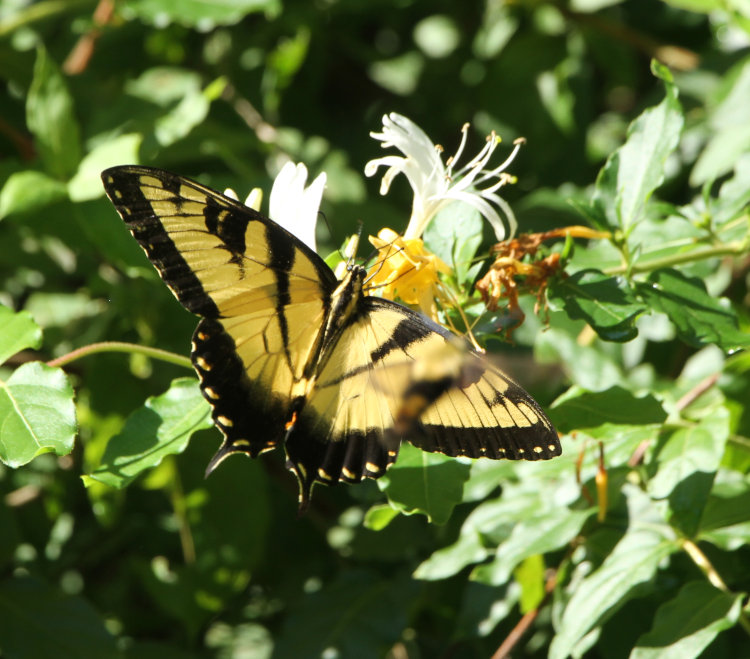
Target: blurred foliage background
<point>638,554</point>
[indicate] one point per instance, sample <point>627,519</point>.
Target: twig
<point>525,622</point>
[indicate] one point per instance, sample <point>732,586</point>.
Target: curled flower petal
<point>293,206</point>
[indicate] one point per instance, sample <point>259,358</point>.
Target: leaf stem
<point>121,346</point>
<point>38,12</point>
<point>177,495</point>
<point>729,249</point>
<point>705,566</point>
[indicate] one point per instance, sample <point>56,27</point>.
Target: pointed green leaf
<point>687,465</point>
<point>29,191</point>
<point>700,318</point>
<point>578,409</point>
<point>606,303</point>
<point>379,516</point>
<point>427,483</point>
<point>37,414</point>
<point>729,134</point>
<point>636,169</point>
<point>87,182</point>
<point>530,576</point>
<point>536,535</point>
<point>163,426</point>
<point>51,118</point>
<point>18,331</point>
<point>452,559</point>
<point>725,520</point>
<point>686,625</point>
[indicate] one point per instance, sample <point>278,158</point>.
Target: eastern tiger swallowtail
<point>288,354</point>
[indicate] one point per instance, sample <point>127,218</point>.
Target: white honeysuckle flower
<point>291,205</point>
<point>294,206</point>
<point>435,183</point>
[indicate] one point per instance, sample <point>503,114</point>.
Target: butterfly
<point>287,354</point>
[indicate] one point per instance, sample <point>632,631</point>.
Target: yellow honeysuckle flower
<point>407,270</point>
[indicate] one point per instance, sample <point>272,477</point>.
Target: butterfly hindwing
<point>394,374</point>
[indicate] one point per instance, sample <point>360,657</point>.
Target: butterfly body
<point>287,354</point>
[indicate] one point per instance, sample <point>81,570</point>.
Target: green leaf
<point>687,465</point>
<point>700,319</point>
<point>452,559</point>
<point>632,563</point>
<point>454,235</point>
<point>178,92</point>
<point>18,331</point>
<point>530,576</point>
<point>29,191</point>
<point>578,409</point>
<point>379,516</point>
<point>729,137</point>
<point>50,117</point>
<point>37,414</point>
<point>195,13</point>
<point>427,483</point>
<point>538,534</point>
<point>606,303</point>
<point>37,620</point>
<point>686,625</point>
<point>637,168</point>
<point>161,427</point>
<point>725,520</point>
<point>87,182</point>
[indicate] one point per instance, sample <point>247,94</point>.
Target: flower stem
<point>729,249</point>
<point>120,346</point>
<point>705,566</point>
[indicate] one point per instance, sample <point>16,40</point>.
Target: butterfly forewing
<point>261,289</point>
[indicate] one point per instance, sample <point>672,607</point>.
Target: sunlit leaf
<point>578,409</point>
<point>37,414</point>
<point>163,426</point>
<point>606,303</point>
<point>700,318</point>
<point>28,191</point>
<point>17,332</point>
<point>636,169</point>
<point>686,625</point>
<point>51,118</point>
<point>427,483</point>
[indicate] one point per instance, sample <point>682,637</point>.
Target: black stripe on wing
<point>361,453</point>
<point>251,419</point>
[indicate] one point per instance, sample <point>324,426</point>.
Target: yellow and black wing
<point>261,294</point>
<point>286,353</point>
<point>394,374</point>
